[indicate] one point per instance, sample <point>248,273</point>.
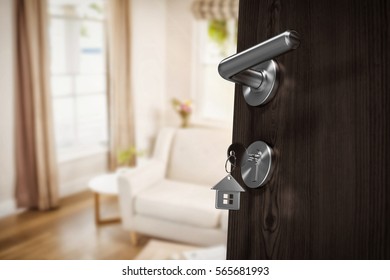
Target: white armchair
<point>171,196</point>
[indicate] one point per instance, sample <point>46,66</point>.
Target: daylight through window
<point>78,76</point>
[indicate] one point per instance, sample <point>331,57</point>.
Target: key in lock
<point>256,159</point>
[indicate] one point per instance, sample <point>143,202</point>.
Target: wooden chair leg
<point>134,238</point>
<point>97,208</point>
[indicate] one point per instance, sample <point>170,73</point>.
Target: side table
<point>105,184</point>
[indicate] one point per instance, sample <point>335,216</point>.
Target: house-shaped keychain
<point>228,194</point>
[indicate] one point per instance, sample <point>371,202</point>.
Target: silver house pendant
<point>228,194</point>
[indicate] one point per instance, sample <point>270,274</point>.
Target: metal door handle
<point>255,68</point>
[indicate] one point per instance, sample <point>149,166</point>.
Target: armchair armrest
<point>131,183</point>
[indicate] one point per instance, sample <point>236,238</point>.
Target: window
<point>78,77</point>
<point>228,198</point>
<point>214,96</point>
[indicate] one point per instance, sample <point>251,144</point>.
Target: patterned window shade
<point>215,9</point>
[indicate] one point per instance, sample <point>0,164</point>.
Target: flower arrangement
<point>184,109</point>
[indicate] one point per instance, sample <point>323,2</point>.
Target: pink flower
<point>185,108</point>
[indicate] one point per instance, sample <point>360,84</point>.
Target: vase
<point>185,120</point>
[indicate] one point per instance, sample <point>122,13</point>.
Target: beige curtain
<point>120,100</point>
<point>36,174</point>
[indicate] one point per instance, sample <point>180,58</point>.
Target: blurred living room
<point>105,109</point>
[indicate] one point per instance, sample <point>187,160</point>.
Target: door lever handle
<point>255,68</point>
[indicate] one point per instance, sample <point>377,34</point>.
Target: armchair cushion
<point>171,196</point>
<point>179,202</point>
<point>142,177</point>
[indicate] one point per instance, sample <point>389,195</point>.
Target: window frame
<point>78,150</point>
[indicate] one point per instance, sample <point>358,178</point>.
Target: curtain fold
<point>36,169</point>
<point>121,115</point>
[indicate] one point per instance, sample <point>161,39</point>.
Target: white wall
<point>162,36</point>
<point>183,75</point>
<point>148,68</point>
<point>179,55</point>
<point>7,171</point>
<point>163,50</point>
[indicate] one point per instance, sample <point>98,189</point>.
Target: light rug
<point>163,250</point>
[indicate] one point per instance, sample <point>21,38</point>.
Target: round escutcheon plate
<point>257,164</point>
<point>269,86</point>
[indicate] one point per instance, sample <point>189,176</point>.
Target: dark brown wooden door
<point>329,197</point>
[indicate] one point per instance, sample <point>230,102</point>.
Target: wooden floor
<point>66,233</point>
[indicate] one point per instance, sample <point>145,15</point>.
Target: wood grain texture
<point>329,197</point>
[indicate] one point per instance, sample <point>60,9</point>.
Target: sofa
<point>170,196</point>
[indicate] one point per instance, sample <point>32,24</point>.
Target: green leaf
<point>218,31</point>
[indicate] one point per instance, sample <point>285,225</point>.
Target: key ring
<point>232,159</point>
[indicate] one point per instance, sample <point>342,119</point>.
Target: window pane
<point>58,46</point>
<point>78,70</point>
<point>61,85</point>
<point>64,121</point>
<point>90,84</point>
<point>92,59</point>
<point>92,119</point>
<point>214,95</point>
<point>217,101</point>
<point>90,9</point>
